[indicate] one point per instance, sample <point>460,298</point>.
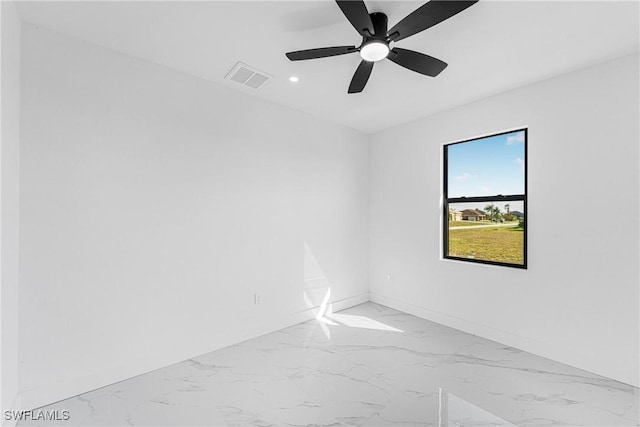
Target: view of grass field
<point>499,243</point>
<point>485,198</point>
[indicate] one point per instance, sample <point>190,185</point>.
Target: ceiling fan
<point>376,38</point>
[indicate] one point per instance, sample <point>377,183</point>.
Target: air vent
<point>248,76</point>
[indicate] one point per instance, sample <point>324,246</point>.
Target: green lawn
<point>501,244</point>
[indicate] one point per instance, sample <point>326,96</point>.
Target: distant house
<point>473,215</point>
<point>517,214</point>
<point>455,215</point>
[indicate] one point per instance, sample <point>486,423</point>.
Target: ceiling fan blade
<point>360,77</point>
<point>426,16</point>
<point>322,52</point>
<point>416,61</point>
<point>357,13</point>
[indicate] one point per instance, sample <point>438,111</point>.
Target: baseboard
<point>46,395</point>
<point>473,328</point>
<point>569,356</point>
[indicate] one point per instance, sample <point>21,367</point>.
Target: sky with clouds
<point>487,166</point>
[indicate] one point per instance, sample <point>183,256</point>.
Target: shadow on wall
<point>317,294</point>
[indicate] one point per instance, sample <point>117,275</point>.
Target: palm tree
<point>493,211</point>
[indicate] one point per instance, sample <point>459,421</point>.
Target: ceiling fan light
<point>374,51</point>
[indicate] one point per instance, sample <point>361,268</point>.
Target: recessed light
<point>294,79</point>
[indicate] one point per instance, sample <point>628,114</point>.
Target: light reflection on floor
<point>379,367</point>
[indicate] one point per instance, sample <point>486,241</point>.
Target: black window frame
<point>489,199</point>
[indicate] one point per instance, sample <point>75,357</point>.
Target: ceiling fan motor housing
<point>380,22</point>
<point>375,46</point>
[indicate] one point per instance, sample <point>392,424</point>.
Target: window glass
<point>490,231</point>
<point>485,199</point>
<point>488,166</point>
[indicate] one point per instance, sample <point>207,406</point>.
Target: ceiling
<point>491,47</point>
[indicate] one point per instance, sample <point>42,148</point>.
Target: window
<point>485,199</point>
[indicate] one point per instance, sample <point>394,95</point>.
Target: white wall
<point>154,205</point>
<point>9,167</point>
<point>578,300</point>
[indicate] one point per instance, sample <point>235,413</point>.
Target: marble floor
<point>365,366</point>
